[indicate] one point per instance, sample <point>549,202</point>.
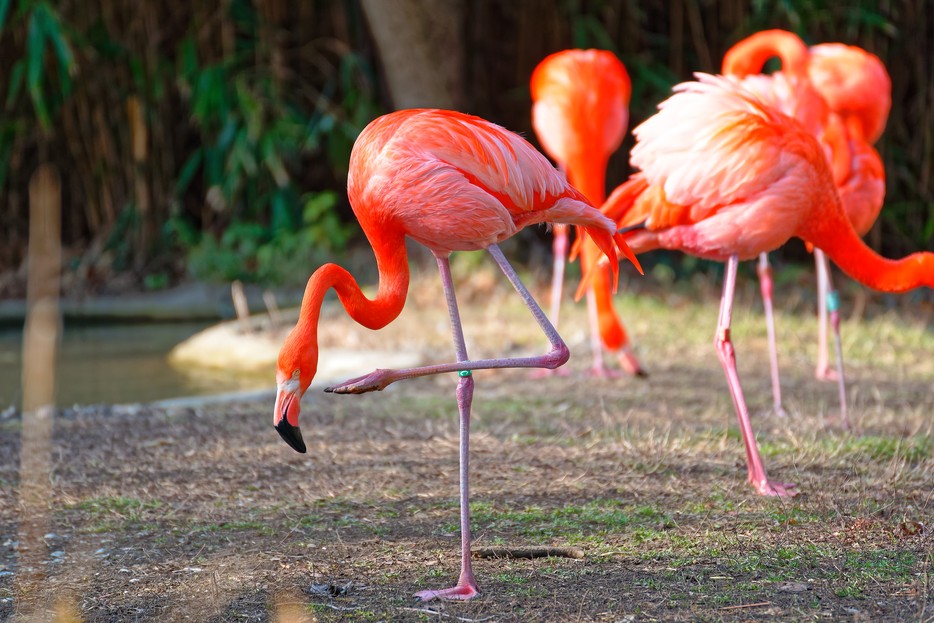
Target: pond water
<point>118,364</point>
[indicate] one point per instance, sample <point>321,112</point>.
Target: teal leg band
<point>833,301</point>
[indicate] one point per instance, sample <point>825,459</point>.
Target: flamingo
<point>858,90</point>
<point>726,177</point>
<point>790,91</point>
<point>854,92</point>
<point>451,182</point>
<point>580,112</point>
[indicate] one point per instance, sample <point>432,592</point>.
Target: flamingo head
<point>295,371</point>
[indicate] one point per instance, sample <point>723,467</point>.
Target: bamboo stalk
<point>40,344</point>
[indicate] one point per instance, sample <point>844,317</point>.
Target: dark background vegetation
<point>211,139</point>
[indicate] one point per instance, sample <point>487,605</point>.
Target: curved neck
<point>393,267</point>
<point>834,235</point>
<point>587,173</point>
<point>750,55</point>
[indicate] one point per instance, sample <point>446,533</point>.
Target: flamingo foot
<point>462,592</point>
<point>630,365</point>
<point>777,411</point>
<point>376,380</point>
<point>765,486</point>
<point>826,373</point>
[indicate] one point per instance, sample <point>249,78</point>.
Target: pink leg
<point>757,475</point>
<point>560,250</point>
<point>557,356</point>
<point>466,587</point>
<point>830,304</point>
<point>766,285</point>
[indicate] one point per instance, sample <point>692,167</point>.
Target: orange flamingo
<point>580,112</point>
<point>854,88</point>
<point>726,177</point>
<point>453,183</point>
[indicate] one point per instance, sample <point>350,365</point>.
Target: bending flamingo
<point>580,112</point>
<point>453,183</point>
<point>726,177</point>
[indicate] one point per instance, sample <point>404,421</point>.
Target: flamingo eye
<point>297,374</point>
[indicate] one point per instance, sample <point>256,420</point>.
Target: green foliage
<point>46,37</point>
<point>248,251</point>
<point>254,137</point>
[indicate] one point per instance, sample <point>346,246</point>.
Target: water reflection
<point>118,364</point>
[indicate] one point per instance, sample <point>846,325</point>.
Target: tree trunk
<point>421,49</point>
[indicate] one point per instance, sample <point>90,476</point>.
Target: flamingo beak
<point>286,412</point>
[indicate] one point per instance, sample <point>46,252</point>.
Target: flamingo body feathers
<point>720,170</point>
<point>461,184</point>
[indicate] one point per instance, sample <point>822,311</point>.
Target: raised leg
<point>766,285</point>
<point>560,250</point>
<point>557,356</point>
<point>757,475</point>
<point>466,587</point>
<point>828,303</point>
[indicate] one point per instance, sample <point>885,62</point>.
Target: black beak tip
<point>292,435</point>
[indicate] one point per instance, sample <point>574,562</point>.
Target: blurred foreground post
<point>40,343</point>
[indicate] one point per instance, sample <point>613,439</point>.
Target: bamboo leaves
<point>44,33</point>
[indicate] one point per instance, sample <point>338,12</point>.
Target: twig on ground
<point>528,552</point>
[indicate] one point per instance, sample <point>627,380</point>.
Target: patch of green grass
<point>599,517</point>
<point>794,515</point>
<point>510,578</point>
<point>356,614</point>
<point>124,507</point>
<point>880,565</point>
<point>883,448</point>
<point>259,527</point>
<point>114,512</point>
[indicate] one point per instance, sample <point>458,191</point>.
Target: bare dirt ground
<point>203,514</point>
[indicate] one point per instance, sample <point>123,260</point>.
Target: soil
<point>203,514</point>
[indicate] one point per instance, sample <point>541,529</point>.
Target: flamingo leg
<point>823,371</point>
<point>557,356</point>
<point>828,301</point>
<point>766,286</point>
<point>727,354</point>
<point>466,587</point>
<point>560,250</point>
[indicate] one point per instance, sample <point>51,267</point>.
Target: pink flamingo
<point>452,182</point>
<point>843,95</point>
<point>580,112</point>
<point>726,177</point>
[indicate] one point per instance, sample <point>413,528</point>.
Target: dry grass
<point>203,514</point>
